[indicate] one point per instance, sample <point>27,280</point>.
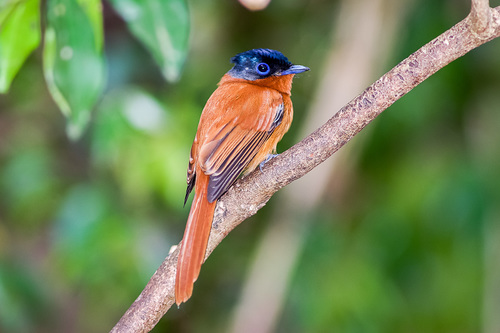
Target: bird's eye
<point>263,68</point>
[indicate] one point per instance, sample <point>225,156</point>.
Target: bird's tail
<point>194,242</point>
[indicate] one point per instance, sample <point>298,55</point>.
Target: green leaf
<point>17,18</point>
<point>162,26</point>
<point>73,59</point>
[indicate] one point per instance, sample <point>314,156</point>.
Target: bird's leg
<point>267,159</point>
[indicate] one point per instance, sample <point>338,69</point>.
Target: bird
<point>239,128</point>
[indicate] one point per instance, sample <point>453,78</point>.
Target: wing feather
<point>234,164</point>
<point>236,122</point>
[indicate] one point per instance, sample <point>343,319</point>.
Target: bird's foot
<point>267,159</point>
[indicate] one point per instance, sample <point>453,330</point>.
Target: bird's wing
<point>234,140</point>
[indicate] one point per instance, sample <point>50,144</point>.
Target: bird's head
<point>262,63</point>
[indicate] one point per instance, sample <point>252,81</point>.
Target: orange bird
<point>240,126</point>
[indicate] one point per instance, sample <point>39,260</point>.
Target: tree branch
<point>250,194</point>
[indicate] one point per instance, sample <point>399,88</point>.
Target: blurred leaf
<point>28,187</point>
<point>21,18</point>
<point>163,27</point>
<point>93,9</point>
<point>73,60</point>
<point>22,305</point>
<point>94,249</point>
<point>141,144</point>
<point>83,208</point>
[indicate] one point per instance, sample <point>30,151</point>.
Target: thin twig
<point>480,16</point>
<point>250,194</point>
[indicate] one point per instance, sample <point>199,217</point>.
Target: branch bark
<point>250,194</point>
<point>481,17</point>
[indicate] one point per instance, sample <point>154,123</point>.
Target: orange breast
<point>270,146</point>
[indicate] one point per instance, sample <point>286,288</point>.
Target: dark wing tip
<point>189,188</point>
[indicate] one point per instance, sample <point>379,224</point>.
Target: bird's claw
<point>267,159</point>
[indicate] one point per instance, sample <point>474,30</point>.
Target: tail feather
<point>194,242</point>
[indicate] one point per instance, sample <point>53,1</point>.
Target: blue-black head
<point>261,63</point>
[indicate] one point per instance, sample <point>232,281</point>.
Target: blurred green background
<point>404,237</point>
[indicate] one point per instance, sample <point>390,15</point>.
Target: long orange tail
<point>194,242</point>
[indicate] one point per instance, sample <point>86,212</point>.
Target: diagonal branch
<point>250,194</point>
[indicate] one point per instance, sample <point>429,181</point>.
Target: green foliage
<point>73,62</point>
<point>137,139</point>
<point>17,18</point>
<point>24,305</point>
<point>162,26</point>
<point>74,65</point>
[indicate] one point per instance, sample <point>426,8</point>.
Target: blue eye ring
<point>263,68</point>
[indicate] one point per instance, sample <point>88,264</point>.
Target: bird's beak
<point>295,69</point>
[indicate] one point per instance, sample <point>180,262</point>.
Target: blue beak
<point>295,69</point>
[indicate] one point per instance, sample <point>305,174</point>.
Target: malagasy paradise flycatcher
<point>240,126</point>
